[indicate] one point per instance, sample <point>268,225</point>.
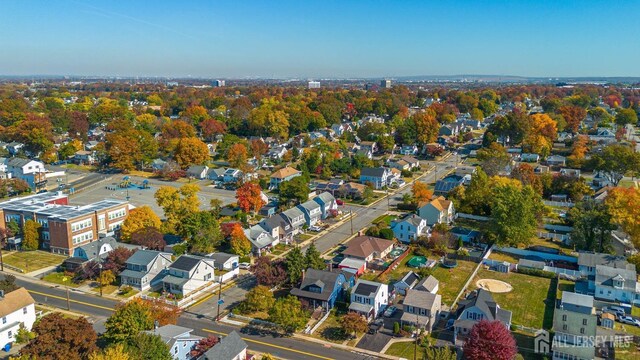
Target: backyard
<point>452,280</point>
<point>531,299</point>
<point>28,261</point>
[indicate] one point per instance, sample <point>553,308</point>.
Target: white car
<point>244,265</point>
<point>315,228</point>
<point>628,320</point>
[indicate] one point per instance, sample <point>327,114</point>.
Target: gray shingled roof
<point>144,257</point>
<point>227,349</point>
<point>427,284</point>
<point>605,276</point>
<point>421,299</point>
<point>366,288</point>
<point>186,262</point>
<point>593,259</point>
<point>373,172</point>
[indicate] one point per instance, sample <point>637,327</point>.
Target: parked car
<point>390,311</point>
<point>244,265</point>
<point>616,310</point>
<point>628,320</point>
<point>375,326</point>
<point>315,228</point>
<point>339,202</point>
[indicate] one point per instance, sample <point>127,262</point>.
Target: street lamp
<point>100,277</point>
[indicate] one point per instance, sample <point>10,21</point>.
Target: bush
<point>408,328</point>
<point>462,252</point>
<point>421,251</point>
<point>406,207</point>
<point>539,273</point>
<point>23,335</point>
<point>125,289</point>
<point>396,328</point>
<point>386,233</point>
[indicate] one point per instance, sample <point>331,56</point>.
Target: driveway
<point>375,342</point>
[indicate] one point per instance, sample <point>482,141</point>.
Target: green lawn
<point>635,311</point>
<point>525,341</point>
<point>128,294</point>
<point>565,285</point>
<point>405,350</point>
<point>384,218</point>
<point>61,279</point>
<point>498,256</point>
<point>531,299</point>
<point>331,329</point>
<point>452,280</point>
<point>32,260</point>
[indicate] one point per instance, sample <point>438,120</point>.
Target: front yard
<point>405,349</point>
<point>60,279</point>
<point>29,261</point>
<point>531,300</point>
<point>331,329</point>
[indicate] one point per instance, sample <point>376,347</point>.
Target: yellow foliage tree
<point>138,219</point>
<point>115,352</point>
<point>421,192</point>
<point>543,131</point>
<point>177,204</point>
<point>191,151</point>
<point>624,206</point>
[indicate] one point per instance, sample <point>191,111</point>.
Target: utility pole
<point>4,240</point>
<point>388,201</point>
<point>100,278</point>
<point>351,220</point>
<point>415,344</point>
<point>219,299</point>
<point>68,301</point>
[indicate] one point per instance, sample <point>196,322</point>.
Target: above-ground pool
<point>396,252</point>
<point>417,261</point>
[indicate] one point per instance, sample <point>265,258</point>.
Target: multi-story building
<point>574,325</point>
<point>314,84</point>
<point>385,84</point>
<point>65,227</point>
<point>31,171</point>
<point>17,309</point>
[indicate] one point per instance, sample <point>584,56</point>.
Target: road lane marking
<point>272,345</point>
<point>71,300</point>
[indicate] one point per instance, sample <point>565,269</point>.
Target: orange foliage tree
<point>249,197</point>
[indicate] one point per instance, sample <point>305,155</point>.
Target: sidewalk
<point>352,349</point>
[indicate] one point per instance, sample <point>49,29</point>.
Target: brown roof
<point>363,246</point>
<point>440,203</point>
<point>395,171</point>
<point>284,172</point>
<point>609,316</point>
<point>14,301</point>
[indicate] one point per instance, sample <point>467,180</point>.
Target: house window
<point>24,310</point>
<point>564,327</point>
<point>584,321</point>
<point>581,330</point>
<point>564,317</point>
<point>10,334</point>
<point>4,320</point>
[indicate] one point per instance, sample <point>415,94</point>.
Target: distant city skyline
<point>320,39</point>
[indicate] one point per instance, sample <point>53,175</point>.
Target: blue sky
<point>316,39</point>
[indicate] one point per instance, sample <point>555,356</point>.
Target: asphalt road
<point>101,308</point>
<point>365,215</point>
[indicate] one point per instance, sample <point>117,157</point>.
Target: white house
<point>260,239</point>
<point>409,228</point>
<point>574,326</point>
<point>31,171</point>
<point>188,274</point>
<point>312,212</point>
<point>16,308</point>
<point>378,177</point>
<point>179,340</point>
<point>144,269</point>
<point>224,261</point>
<point>408,281</point>
<point>479,305</point>
<point>231,347</point>
<point>369,298</point>
<point>295,216</point>
<point>198,171</point>
<point>327,204</point>
<point>438,211</point>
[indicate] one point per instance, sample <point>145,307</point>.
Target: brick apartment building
<point>64,226</point>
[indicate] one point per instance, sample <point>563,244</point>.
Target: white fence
<point>227,276</point>
<point>317,325</point>
<point>559,203</point>
<point>554,236</point>
<point>473,217</point>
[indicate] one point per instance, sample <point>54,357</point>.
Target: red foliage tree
<point>212,127</point>
<point>573,115</point>
<point>228,227</point>
<point>490,340</point>
<point>116,259</point>
<point>203,345</point>
<point>268,273</point>
<point>249,197</point>
<point>149,237</point>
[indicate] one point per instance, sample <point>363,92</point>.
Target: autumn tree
<point>59,337</point>
<point>191,151</point>
<point>258,148</point>
<point>269,119</point>
<point>202,231</point>
<point>626,116</point>
<point>592,225</point>
<point>249,196</point>
<point>615,161</point>
<point>525,174</point>
<point>128,320</point>
<point>196,113</point>
<point>353,323</point>
<point>114,352</point>
<point>494,159</point>
<point>139,218</point>
<point>211,128</point>
<point>421,192</point>
<point>239,243</point>
<point>426,125</point>
<point>515,213</point>
<point>541,135</point>
<point>116,259</point>
<point>149,237</point>
<point>574,115</point>
<point>288,313</point>
<point>440,353</point>
<point>578,151</point>
<point>490,340</point>
<point>177,204</point>
<point>624,206</point>
<point>105,278</point>
<point>145,346</point>
<point>267,272</point>
<point>260,298</point>
<point>177,129</point>
<point>237,156</point>
<point>30,235</point>
<point>203,345</point>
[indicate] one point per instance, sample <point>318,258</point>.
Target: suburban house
<point>444,186</point>
<point>278,227</point>
<point>409,228</point>
<point>216,174</point>
<point>282,175</point>
<point>158,164</point>
<point>428,284</point>
<point>232,175</point>
<point>399,164</point>
<point>556,160</point>
<point>421,309</point>
<point>260,239</point>
<point>466,234</point>
<point>608,277</point>
<point>312,212</point>
<point>277,152</point>
<point>224,261</point>
<point>353,265</point>
<point>179,340</point>
<point>369,298</point>
<point>408,281</point>
<point>479,305</point>
<point>144,269</point>
<point>17,308</point>
<point>31,171</point>
<point>231,347</point>
<point>607,320</point>
<point>84,157</point>
<point>14,147</point>
<point>353,190</point>
<point>188,274</point>
<point>332,186</point>
<point>65,227</point>
<point>198,172</point>
<point>409,150</point>
<point>377,177</point>
<point>295,217</point>
<point>574,325</point>
<point>368,248</point>
<point>328,204</point>
<point>322,288</point>
<point>437,211</point>
<point>98,250</point>
<point>529,157</point>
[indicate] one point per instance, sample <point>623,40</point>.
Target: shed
<point>503,267</point>
<point>607,320</point>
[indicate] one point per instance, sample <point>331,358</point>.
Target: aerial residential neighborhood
<point>234,181</point>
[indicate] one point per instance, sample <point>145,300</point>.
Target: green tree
<point>295,189</point>
<point>592,226</point>
<point>313,259</point>
<point>202,231</point>
<point>295,263</point>
<point>31,235</point>
<point>260,298</point>
<point>514,214</point>
<point>494,159</point>
<point>626,116</point>
<point>177,204</point>
<point>127,321</point>
<point>146,346</point>
<point>439,353</point>
<point>288,313</point>
<point>616,160</point>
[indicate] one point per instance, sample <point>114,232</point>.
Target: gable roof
<point>605,276</point>
<point>144,257</point>
<point>366,288</point>
<point>484,301</point>
<point>186,262</point>
<point>593,259</point>
<point>323,279</point>
<point>14,301</point>
<point>439,203</point>
<point>309,206</point>
<point>427,284</point>
<point>410,278</point>
<point>412,219</point>
<point>410,159</point>
<point>170,332</point>
<point>363,246</point>
<point>228,348</point>
<point>91,249</point>
<point>325,197</point>
<point>285,172</point>
<point>220,257</point>
<point>196,169</point>
<point>373,172</point>
<point>421,299</point>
